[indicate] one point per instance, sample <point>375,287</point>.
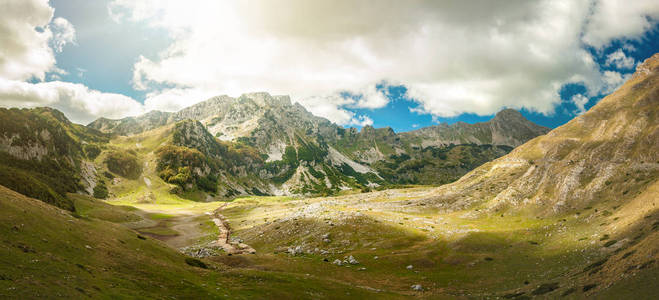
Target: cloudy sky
<point>403,64</point>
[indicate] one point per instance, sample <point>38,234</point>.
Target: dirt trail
<point>188,227</point>
<point>223,239</point>
<point>187,224</point>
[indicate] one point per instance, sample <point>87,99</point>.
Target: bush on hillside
<point>92,151</point>
<point>124,164</point>
<point>100,191</point>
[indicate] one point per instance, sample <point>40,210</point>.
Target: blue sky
<point>353,65</point>
<point>98,59</point>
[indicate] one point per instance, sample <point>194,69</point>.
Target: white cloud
<point>371,98</point>
<point>330,107</point>
<point>613,80</point>
<point>362,120</point>
<point>620,60</point>
<point>79,103</point>
<point>24,36</point>
<point>175,99</point>
<point>580,102</point>
<point>453,57</point>
<point>63,33</point>
<point>619,19</point>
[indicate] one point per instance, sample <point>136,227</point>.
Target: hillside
<point>607,154</point>
<point>57,254</point>
<point>44,155</point>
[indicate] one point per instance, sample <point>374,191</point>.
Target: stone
<point>417,287</point>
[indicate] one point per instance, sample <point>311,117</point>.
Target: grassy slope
<point>458,254</point>
<point>45,253</point>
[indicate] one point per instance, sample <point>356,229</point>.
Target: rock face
<point>609,153</point>
<point>507,128</point>
<point>132,125</point>
<point>43,155</point>
<point>303,153</point>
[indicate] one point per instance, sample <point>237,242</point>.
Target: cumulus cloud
<point>619,19</point>
<point>613,80</point>
<point>362,120</point>
<point>63,33</point>
<point>580,102</point>
<point>331,56</point>
<point>331,108</point>
<point>24,36</point>
<point>453,58</point>
<point>175,99</point>
<point>620,60</point>
<point>79,103</point>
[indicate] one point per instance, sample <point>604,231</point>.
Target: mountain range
<point>255,144</point>
<point>297,152</point>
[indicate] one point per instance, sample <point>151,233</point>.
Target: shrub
<point>100,191</point>
<point>208,183</point>
<point>195,263</point>
<point>92,151</point>
<point>124,164</point>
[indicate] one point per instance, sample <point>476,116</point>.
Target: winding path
<point>223,239</point>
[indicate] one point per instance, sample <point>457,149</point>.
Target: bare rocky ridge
<point>508,128</point>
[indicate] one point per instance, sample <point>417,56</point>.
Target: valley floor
<point>388,244</point>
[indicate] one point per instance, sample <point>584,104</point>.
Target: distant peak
<point>256,95</point>
<point>509,114</point>
<point>264,98</point>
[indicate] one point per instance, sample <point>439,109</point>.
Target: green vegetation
<point>47,155</point>
<point>310,152</point>
<point>123,163</point>
<point>437,165</point>
<point>100,191</point>
<point>92,151</point>
<point>38,185</point>
<point>195,263</point>
<point>182,166</point>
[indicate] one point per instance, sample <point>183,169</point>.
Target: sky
<point>403,64</point>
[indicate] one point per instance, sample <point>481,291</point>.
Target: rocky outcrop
<point>507,128</point>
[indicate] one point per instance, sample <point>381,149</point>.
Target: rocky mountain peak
<point>264,99</point>
<point>509,114</point>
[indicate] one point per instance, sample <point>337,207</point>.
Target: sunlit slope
<point>460,254</point>
<point>610,153</point>
<point>47,252</point>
